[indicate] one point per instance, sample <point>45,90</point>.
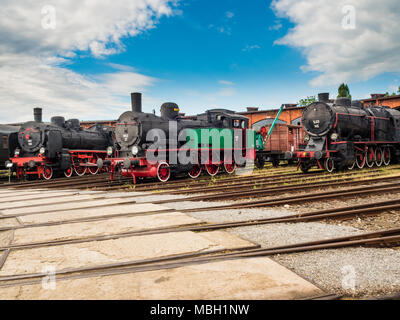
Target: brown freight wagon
<point>283,138</point>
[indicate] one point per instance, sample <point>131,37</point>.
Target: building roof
<point>269,110</point>
<point>378,97</point>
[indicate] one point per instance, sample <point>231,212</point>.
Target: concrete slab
<point>99,228</point>
<point>91,212</point>
<point>256,278</point>
<point>24,196</point>
<point>67,206</point>
<point>58,199</point>
<point>118,250</point>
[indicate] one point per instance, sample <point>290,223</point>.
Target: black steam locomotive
<point>40,148</point>
<point>342,134</point>
<point>130,155</point>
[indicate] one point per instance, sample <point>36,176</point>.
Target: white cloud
<point>28,82</point>
<point>226,92</point>
<point>226,83</point>
<point>251,47</point>
<point>97,26</point>
<point>277,26</point>
<point>229,14</point>
<point>342,54</point>
<point>34,60</point>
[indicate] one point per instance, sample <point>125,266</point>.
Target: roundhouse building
<point>290,115</point>
<point>379,99</point>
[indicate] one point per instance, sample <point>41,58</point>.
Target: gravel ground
<point>376,271</point>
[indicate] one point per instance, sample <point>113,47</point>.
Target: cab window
<point>5,142</point>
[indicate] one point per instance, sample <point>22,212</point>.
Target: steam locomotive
<point>342,134</point>
<point>41,149</point>
<point>212,137</point>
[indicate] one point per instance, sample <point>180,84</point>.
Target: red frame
<point>77,156</point>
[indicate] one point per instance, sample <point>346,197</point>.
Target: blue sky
<point>200,54</point>
<point>221,49</point>
<point>223,54</point>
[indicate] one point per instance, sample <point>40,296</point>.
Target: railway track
<point>384,238</point>
<point>337,213</point>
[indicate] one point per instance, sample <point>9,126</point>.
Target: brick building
<point>290,115</point>
<point>378,99</point>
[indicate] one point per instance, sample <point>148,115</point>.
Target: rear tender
<point>342,134</point>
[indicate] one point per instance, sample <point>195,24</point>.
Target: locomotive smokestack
<point>37,114</point>
<point>136,99</point>
<point>323,97</point>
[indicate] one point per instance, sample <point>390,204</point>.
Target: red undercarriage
<point>142,168</point>
<point>366,152</point>
<point>83,161</point>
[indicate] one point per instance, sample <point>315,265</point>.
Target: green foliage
<point>344,91</point>
<point>307,101</point>
<point>387,94</point>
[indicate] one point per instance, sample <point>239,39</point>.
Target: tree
<point>387,94</point>
<point>344,91</point>
<point>307,101</point>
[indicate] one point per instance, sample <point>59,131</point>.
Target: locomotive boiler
<point>134,143</point>
<point>343,134</point>
<point>40,148</point>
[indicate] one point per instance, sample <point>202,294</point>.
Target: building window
<point>296,122</point>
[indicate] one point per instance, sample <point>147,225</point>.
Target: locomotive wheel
<point>329,165</point>
<point>47,173</point>
<point>80,171</point>
<point>360,159</point>
<point>351,166</point>
<point>260,162</point>
<point>386,156</point>
<point>212,169</point>
<point>304,166</point>
<point>378,157</point>
<point>230,167</point>
<point>195,172</point>
<point>163,171</point>
<point>370,157</point>
<point>93,170</point>
<point>275,163</point>
<point>69,172</point>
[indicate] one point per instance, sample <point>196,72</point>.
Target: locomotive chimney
<point>323,97</point>
<point>37,114</point>
<point>136,99</point>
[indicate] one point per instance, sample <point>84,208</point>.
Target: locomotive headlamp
<point>306,138</point>
<point>334,136</point>
<point>9,164</point>
<point>17,151</point>
<point>42,150</point>
<point>109,151</point>
<point>135,150</point>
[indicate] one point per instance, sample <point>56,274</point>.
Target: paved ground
<point>257,278</point>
